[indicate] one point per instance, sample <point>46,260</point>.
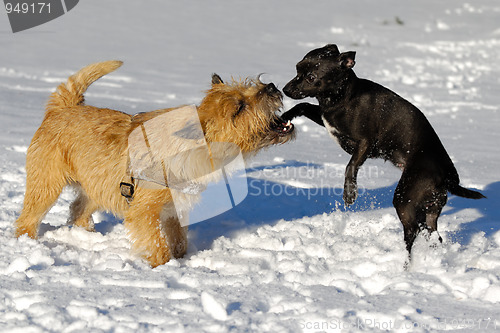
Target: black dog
<point>371,121</point>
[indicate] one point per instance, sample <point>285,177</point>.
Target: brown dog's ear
<point>347,59</point>
<point>216,79</point>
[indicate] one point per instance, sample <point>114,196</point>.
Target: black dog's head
<point>322,71</point>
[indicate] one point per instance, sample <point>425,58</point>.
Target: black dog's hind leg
<point>433,210</point>
<point>308,110</point>
<point>409,211</point>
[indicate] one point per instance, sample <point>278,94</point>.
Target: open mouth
<point>282,127</point>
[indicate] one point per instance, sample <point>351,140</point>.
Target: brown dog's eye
<point>310,78</point>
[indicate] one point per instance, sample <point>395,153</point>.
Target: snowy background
<point>290,258</point>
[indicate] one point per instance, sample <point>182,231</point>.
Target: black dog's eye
<point>241,108</point>
<point>310,78</point>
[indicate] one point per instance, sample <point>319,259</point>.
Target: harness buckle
<point>127,190</point>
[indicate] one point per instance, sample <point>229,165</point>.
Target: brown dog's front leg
<point>351,173</point>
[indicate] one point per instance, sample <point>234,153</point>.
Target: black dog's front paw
<point>289,115</point>
<point>294,112</point>
<point>298,110</point>
<point>350,193</point>
<point>308,110</point>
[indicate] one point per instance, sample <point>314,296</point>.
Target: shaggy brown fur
<point>86,147</point>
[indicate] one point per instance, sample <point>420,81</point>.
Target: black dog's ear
<point>216,79</point>
<point>331,49</point>
<point>346,59</point>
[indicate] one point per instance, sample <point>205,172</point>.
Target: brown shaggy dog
<point>87,148</point>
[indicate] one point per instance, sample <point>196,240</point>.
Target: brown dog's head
<point>320,72</point>
<point>244,113</point>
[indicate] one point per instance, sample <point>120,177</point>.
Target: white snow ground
<point>290,258</point>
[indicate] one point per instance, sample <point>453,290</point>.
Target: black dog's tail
<point>456,189</point>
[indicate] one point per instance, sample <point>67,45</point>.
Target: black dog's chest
<point>338,134</point>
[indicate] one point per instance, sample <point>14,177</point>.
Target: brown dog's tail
<point>71,92</point>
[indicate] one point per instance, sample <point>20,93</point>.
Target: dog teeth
<point>287,126</point>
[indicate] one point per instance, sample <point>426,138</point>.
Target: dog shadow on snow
<point>270,201</point>
<point>489,208</point>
